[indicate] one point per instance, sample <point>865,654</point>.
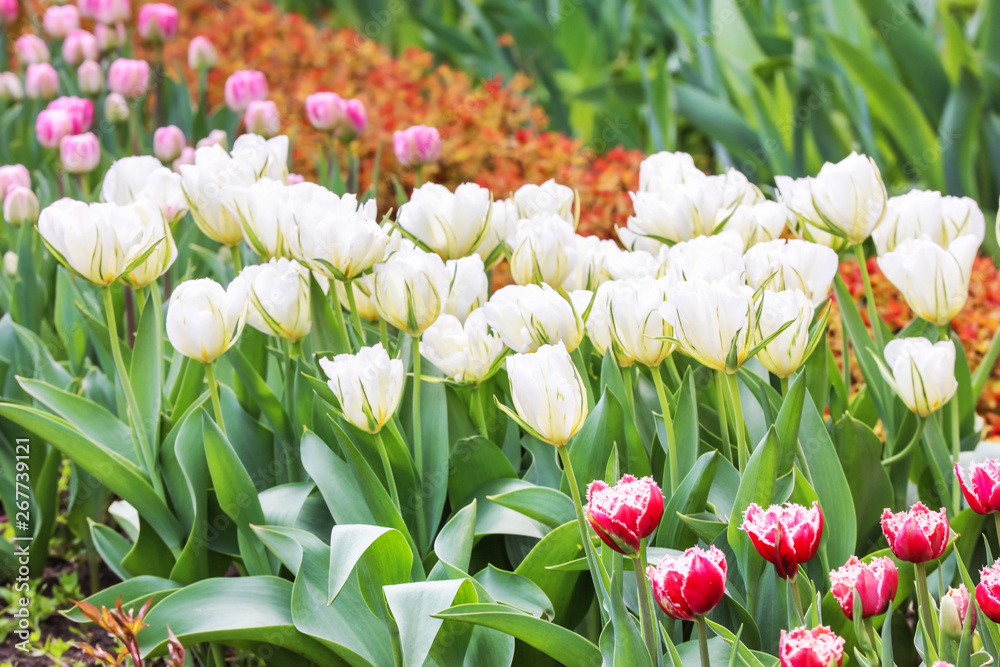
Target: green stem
<point>956,437</point>
<point>291,362</point>
<point>672,369</point>
<point>218,655</point>
<point>784,387</point>
<point>383,334</point>
<point>353,306</point>
<point>344,344</point>
<point>873,315</point>
<point>910,445</point>
<point>873,658</point>
<point>629,390</point>
<point>925,610</point>
<point>390,480</point>
<point>418,177</point>
<point>741,431</point>
<point>478,405</point>
<point>703,641</point>
<point>418,447</point>
<point>237,258</point>
<point>668,424</point>
<point>83,181</point>
<point>133,129</point>
<point>645,602</point>
<point>213,390</point>
<point>797,599</point>
<point>996,522</point>
<point>720,392</point>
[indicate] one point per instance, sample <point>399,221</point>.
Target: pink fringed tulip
<point>13,175</point>
<point>262,118</point>
<point>803,647</point>
<point>80,153</point>
<point>80,109</point>
<point>58,21</point>
<point>51,125</point>
<point>956,608</point>
<point>201,53</point>
<point>158,22</point>
<point>417,145</point>
<point>79,46</point>
<point>31,50</point>
<point>243,87</point>
<point>918,535</point>
<point>168,142</point>
<point>988,592</point>
<point>982,489</point>
<point>785,535</point>
<point>875,583</point>
<point>330,112</point>
<point>625,513</point>
<point>41,82</point>
<point>691,584</point>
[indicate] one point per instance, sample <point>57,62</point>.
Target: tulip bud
<point>917,535</point>
<point>982,489</point>
<point>243,87</point>
<point>636,326</point>
<point>450,224</point>
<point>548,393</point>
<point>158,23</point>
<point>468,288</point>
<point>279,298</point>
<point>10,263</point>
<point>416,145</point>
<point>20,206</point>
<point>168,142</point>
<point>79,46</point>
<point>848,199</point>
<point>467,353</point>
<point>934,280</point>
<point>410,290</point>
<point>31,50</point>
<point>41,81</point>
<point>549,198</point>
<point>116,108</point>
<point>262,118</point>
<point>215,138</point>
<point>921,213</point>
<point>665,169</point>
<point>624,514</point>
<point>8,12</point>
<point>346,118</point>
<point>529,316</point>
<point>784,535</point>
<point>57,22</point>
<point>368,386</point>
<point>922,373</point>
<point>80,109</point>
<point>201,54</point>
<point>90,77</point>
<point>787,351</point>
<point>80,153</point>
<point>875,584</point>
<point>295,179</point>
<point>129,78</point>
<point>10,87</point>
<point>13,174</point>
<point>204,320</point>
<point>186,157</point>
<point>544,250</point>
<point>818,647</point>
<point>51,125</point>
<point>691,584</point>
<point>792,264</point>
<point>106,11</point>
<point>109,37</point>
<point>956,606</point>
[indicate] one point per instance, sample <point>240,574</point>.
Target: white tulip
<point>933,280</point>
<point>849,197</point>
<point>548,393</point>
<point>10,263</point>
<point>528,316</point>
<point>637,328</point>
<point>637,264</point>
<point>410,290</point>
<point>267,158</point>
<point>262,210</point>
<point>165,251</point>
<point>792,264</point>
<point>204,320</point>
<point>144,177</point>
<point>759,222</point>
<point>450,224</point>
<point>503,222</point>
<point>100,242</point>
<point>593,257</point>
<point>466,353</point>
<point>710,319</point>
<point>796,195</point>
<point>549,198</point>
<point>544,251</point>
<point>279,298</point>
<point>664,169</point>
<point>210,185</point>
<point>638,242</point>
<point>921,212</point>
<point>923,374</point>
<point>368,386</point>
<point>707,257</point>
<point>598,324</point>
<point>468,287</point>
<point>787,351</point>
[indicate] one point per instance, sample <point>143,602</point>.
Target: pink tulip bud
<point>956,608</point>
<point>8,11</point>
<point>168,142</point>
<point>623,514</point>
<point>158,22</point>
<point>201,54</point>
<point>785,535</point>
<point>988,592</point>
<point>79,46</point>
<point>31,50</point>
<point>41,81</point>
<point>90,77</point>
<point>186,157</point>
<point>10,87</point>
<point>295,179</point>
<point>262,118</point>
<point>331,112</point>
<point>215,138</point>
<point>59,21</point>
<point>80,109</point>
<point>803,647</point>
<point>243,87</point>
<point>51,125</point>
<point>874,582</point>
<point>417,145</point>
<point>13,175</point>
<point>106,11</point>
<point>20,206</point>
<point>691,584</point>
<point>982,490</point>
<point>109,36</point>
<point>918,535</point>
<point>80,153</point>
<point>116,108</point>
<point>130,78</point>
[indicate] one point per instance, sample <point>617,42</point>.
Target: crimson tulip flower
<point>625,513</point>
<point>785,535</point>
<point>982,489</point>
<point>691,584</point>
<point>988,592</point>
<point>917,535</point>
<point>875,583</point>
<point>818,647</point>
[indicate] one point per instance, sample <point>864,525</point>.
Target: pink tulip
<point>80,109</point>
<point>168,142</point>
<point>51,125</point>
<point>262,118</point>
<point>116,108</point>
<point>803,647</point>
<point>874,582</point>
<point>201,54</point>
<point>988,592</point>
<point>332,113</point>
<point>129,78</point>
<point>31,50</point>
<point>13,175</point>
<point>785,535</point>
<point>417,145</point>
<point>80,153</point>
<point>295,179</point>
<point>8,11</point>
<point>956,607</point>
<point>158,22</point>
<point>106,11</point>
<point>10,86</point>
<point>982,490</point>
<point>41,82</point>
<point>109,36</point>
<point>243,87</point>
<point>215,138</point>
<point>186,157</point>
<point>691,584</point>
<point>79,46</point>
<point>58,21</point>
<point>918,535</point>
<point>90,77</point>
<point>20,206</point>
<point>625,513</point>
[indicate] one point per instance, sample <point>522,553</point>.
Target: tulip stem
<point>237,258</point>
<point>896,456</point>
<point>793,585</point>
<point>873,659</point>
<point>649,633</point>
<point>956,437</point>
<point>741,436</point>
<point>213,390</point>
<point>668,424</point>
<point>418,176</point>
<point>344,344</point>
<point>291,365</point>
<point>925,611</point>
<point>353,306</point>
<point>418,447</point>
<point>703,640</point>
<point>390,480</point>
<point>720,392</point>
<point>478,405</point>
<point>784,387</point>
<point>873,316</point>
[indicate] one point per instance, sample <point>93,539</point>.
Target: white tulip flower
<point>665,169</point>
<point>921,212</point>
<point>467,353</point>
<point>923,374</point>
<point>368,386</point>
<point>933,280</point>
<point>279,298</point>
<point>549,198</point>
<point>796,195</point>
<point>548,393</point>
<point>792,264</point>
<point>468,287</point>
<point>706,257</point>
<point>529,316</point>
<point>164,251</point>
<point>362,287</point>
<point>266,158</point>
<point>262,210</point>
<point>503,222</point>
<point>204,320</point>
<point>637,328</point>
<point>144,177</point>
<point>410,290</point>
<point>210,186</point>
<point>759,222</point>
<point>450,224</point>
<point>849,198</point>
<point>598,324</point>
<point>787,351</point>
<point>544,251</point>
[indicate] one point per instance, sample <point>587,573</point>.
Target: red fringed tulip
<point>785,535</point>
<point>982,489</point>
<point>988,592</point>
<point>818,647</point>
<point>623,514</point>
<point>956,606</point>
<point>917,535</point>
<point>691,584</point>
<point>875,583</point>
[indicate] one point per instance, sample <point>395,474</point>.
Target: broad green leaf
<point>111,547</point>
<point>549,506</point>
<point>417,608</point>
<point>516,591</point>
<point>475,461</point>
<point>146,370</point>
<point>690,498</point>
<point>262,395</point>
<point>789,418</point>
<point>189,452</point>
<point>133,593</point>
<point>860,453</point>
<point>453,545</point>
<point>381,556</point>
<point>561,545</point>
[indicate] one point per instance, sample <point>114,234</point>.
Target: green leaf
<point>189,452</point>
<point>789,419</point>
<point>417,607</point>
<point>453,545</point>
<point>262,395</point>
<point>629,649</point>
<point>516,591</point>
<point>561,545</point>
<point>146,371</point>
<point>381,556</point>
<point>133,593</point>
<point>549,506</point>
<point>111,547</point>
<point>860,453</point>
<point>689,498</point>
